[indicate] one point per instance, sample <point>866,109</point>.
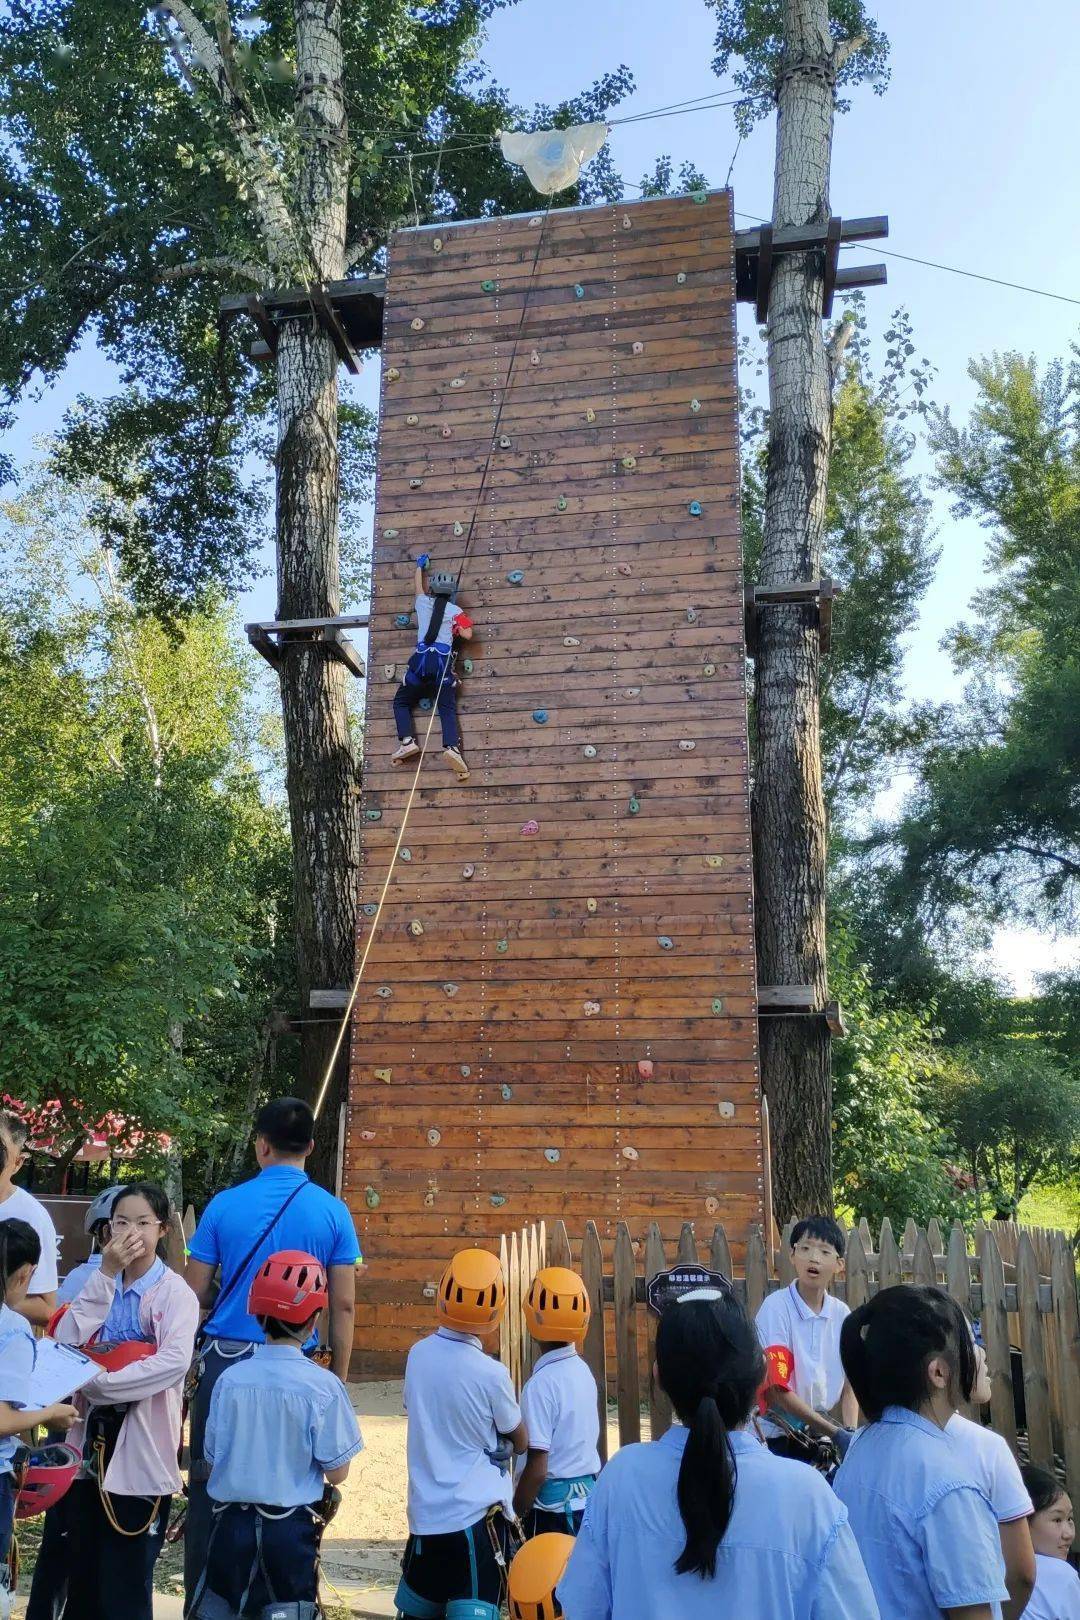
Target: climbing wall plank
<point>573,1034</point>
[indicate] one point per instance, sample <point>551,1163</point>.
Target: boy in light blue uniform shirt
<point>279,1427</point>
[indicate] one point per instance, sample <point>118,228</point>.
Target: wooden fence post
<point>720,1253</point>
<point>595,1347</point>
<point>923,1267</point>
<point>958,1282</point>
<point>504,1326</point>
<point>785,1270</point>
<point>1067,1321</point>
<point>558,1247</point>
<point>659,1405</point>
<point>1036,1386</point>
<point>757,1271</point>
<point>175,1257</point>
<point>995,1332</point>
<point>856,1275</point>
<point>627,1385</point>
<point>889,1273</point>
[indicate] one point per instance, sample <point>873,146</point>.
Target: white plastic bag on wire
<point>553,158</point>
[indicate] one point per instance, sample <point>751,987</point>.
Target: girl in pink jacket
<point>139,1319</point>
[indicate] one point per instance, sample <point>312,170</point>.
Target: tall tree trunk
<point>788,803</point>
<point>321,770</point>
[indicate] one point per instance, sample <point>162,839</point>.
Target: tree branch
<point>258,273</point>
<point>355,251</point>
<point>845,48</point>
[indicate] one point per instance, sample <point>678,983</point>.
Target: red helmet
<point>289,1286</point>
<point>48,1474</point>
<point>112,1357</point>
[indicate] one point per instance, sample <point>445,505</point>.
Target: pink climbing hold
<point>645,1068</point>
<point>530,829</point>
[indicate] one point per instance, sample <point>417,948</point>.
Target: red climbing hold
<point>645,1068</point>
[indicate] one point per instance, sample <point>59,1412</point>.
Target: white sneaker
<point>456,760</point>
<point>406,750</point>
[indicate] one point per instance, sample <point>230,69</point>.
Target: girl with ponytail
<point>927,1531</point>
<point>705,1521</point>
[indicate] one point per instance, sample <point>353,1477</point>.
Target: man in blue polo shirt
<point>280,1208</point>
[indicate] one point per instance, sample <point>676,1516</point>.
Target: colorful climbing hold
<point>694,509</point>
<point>502,946</point>
<point>726,1110</point>
<point>681,277</point>
<point>425,703</point>
<point>505,442</point>
<point>699,196</point>
<point>687,745</point>
<point>630,1153</point>
<point>540,716</point>
<point>571,641</point>
<point>369,909</point>
<point>389,534</point>
<point>637,348</point>
<point>392,374</point>
<point>714,862</point>
<point>487,286</point>
<point>629,463</point>
<point>691,615</point>
<point>708,669</point>
<point>590,907</point>
<point>635,804</point>
<point>590,1008</point>
<point>371,1198</point>
<point>459,529</point>
<point>712,1206</point>
<point>367,1136</point>
<point>429,1203</point>
<point>665,942</point>
<point>529,829</point>
<point>416,928</point>
<point>465,1071</point>
<point>534,358</point>
<point>436,244</point>
<point>506,1092</point>
<point>466,666</point>
<point>384,1075</point>
<point>627,222</point>
<point>450,988</point>
<point>561,504</point>
<point>695,405</point>
<point>389,672</point>
<point>589,751</point>
<point>718,1004</point>
<point>384,991</point>
<point>633,691</point>
<point>552,1155</point>
<point>372,815</point>
<point>434,1137</point>
<point>411,420</point>
<point>579,291</point>
<point>645,1068</point>
<point>516,576</point>
<point>405,855</point>
<point>625,569</point>
<point>417,323</point>
<point>447,432</point>
<point>590,415</point>
<point>467,871</point>
<point>497,1200</point>
<point>457,382</point>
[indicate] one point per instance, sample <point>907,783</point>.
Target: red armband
<point>779,1371</point>
<point>462,622</point>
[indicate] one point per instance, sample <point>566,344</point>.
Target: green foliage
<point>129,209</point>
<point>994,826</point>
<point>890,1156</point>
<point>144,880</point>
<point>1014,1111</point>
<point>752,32</point>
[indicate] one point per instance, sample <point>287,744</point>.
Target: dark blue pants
<point>269,1558</point>
<point>199,1517</point>
<point>408,695</point>
<point>85,1570</point>
<point>7,1519</point>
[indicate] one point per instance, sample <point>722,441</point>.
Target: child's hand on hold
<point>423,560</point>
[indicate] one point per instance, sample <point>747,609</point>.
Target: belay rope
<point>336,1053</point>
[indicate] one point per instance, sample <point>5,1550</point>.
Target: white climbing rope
<point>347,1015</point>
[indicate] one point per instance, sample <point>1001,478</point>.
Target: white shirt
<point>559,1407</point>
<point>22,1206</point>
<point>993,1467</point>
<point>459,1401</point>
<point>1057,1591</point>
<point>425,606</point>
<point>814,1341</point>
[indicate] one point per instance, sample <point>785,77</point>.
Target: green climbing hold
<point>561,504</point>
<point>371,1198</point>
<point>634,806</point>
<point>467,666</point>
<point>487,286</point>
<point>718,1004</point>
<point>502,946</point>
<point>372,815</point>
<point>700,196</point>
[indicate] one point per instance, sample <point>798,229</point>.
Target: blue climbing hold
<point>425,703</point>
<point>497,1200</point>
<point>665,942</point>
<point>502,946</point>
<point>403,620</point>
<point>372,815</point>
<point>634,806</point>
<point>507,1092</point>
<point>405,855</point>
<point>516,577</point>
<point>694,509</point>
<point>487,286</point>
<point>467,666</point>
<point>540,716</point>
<point>369,910</point>
<point>579,291</point>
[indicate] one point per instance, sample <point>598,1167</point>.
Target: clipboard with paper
<point>59,1370</point>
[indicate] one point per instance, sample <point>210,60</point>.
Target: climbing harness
<point>373,930</point>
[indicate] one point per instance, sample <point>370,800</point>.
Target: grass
<point>1053,1206</point>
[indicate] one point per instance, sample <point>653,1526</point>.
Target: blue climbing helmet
<point>442,584</point>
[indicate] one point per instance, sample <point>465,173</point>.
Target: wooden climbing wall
<point>574,1032</point>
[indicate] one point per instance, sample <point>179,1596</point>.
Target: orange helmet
<point>472,1293</point>
<point>534,1575</point>
<point>557,1308</point>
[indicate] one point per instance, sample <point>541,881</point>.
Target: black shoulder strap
<point>230,1286</point>
<point>438,613</point>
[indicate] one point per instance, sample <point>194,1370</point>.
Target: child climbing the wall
<point>430,672</point>
<point>460,1404</point>
<point>560,1408</point>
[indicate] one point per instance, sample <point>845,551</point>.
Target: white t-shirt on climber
<point>445,639</point>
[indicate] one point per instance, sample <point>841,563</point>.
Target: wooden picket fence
<point>1020,1282</point>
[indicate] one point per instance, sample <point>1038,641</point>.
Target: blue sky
<point>967,153</point>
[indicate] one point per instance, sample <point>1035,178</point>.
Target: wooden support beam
<point>264,644</point>
<point>832,258</point>
<point>834,1017</point>
<point>344,651</point>
<point>861,275</point>
<point>327,317</point>
<point>764,273</point>
<point>796,238</point>
<point>270,636</point>
<point>257,310</point>
<point>821,592</point>
<point>328,1000</point>
<point>786,998</point>
<point>340,621</point>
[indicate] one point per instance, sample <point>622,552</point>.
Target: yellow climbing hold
<point>384,1075</point>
